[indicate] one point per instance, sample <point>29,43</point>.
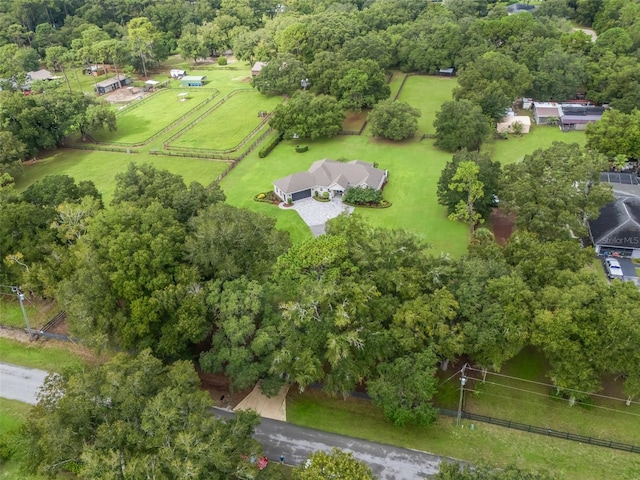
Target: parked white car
<point>614,270</point>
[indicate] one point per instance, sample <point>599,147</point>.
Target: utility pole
<point>463,382</point>
<point>20,295</point>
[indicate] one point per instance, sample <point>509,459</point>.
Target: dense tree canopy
<point>460,124</point>
<point>554,191</point>
<point>393,120</point>
<point>308,116</point>
<point>135,415</point>
<point>489,173</point>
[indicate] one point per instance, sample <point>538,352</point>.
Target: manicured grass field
<point>43,355</point>
<point>427,93</point>
<point>101,168</point>
<point>229,124</point>
<point>138,122</point>
<point>484,443</point>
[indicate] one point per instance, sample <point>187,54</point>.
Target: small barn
<point>546,113</point>
<point>111,84</point>
<point>257,68</point>
<point>39,75</point>
<point>193,81</point>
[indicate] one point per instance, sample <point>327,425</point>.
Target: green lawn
<point>142,119</point>
<point>42,355</point>
<point>229,124</point>
<point>427,93</point>
<point>101,168</point>
<point>414,168</point>
<point>540,136</point>
<point>484,443</point>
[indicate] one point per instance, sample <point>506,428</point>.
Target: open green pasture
<point>230,123</point>
<point>226,79</point>
<point>427,93</point>
<point>101,167</point>
<point>141,119</point>
<point>414,168</point>
<point>483,444</point>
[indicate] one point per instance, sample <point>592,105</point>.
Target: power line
<point>551,386</point>
<point>442,383</point>
<point>563,399</point>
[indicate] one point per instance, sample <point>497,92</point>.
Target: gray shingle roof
<point>325,173</point>
<point>618,224</point>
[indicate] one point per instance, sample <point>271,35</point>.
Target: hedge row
<point>273,143</point>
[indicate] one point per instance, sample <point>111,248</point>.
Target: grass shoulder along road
<point>45,355</point>
<point>483,443</point>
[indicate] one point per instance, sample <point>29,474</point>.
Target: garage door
<point>301,195</point>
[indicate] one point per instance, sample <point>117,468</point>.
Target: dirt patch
<point>502,225</point>
<point>218,388</point>
<point>124,95</point>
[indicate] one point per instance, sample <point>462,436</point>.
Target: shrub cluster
<point>363,196</point>
<point>273,143</point>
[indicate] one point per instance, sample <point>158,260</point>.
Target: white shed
<point>506,126</point>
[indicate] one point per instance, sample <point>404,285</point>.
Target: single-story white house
<point>329,176</point>
<point>506,125</point>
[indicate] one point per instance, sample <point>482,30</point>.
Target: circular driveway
<point>316,214</point>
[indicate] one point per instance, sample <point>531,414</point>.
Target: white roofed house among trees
<point>329,176</point>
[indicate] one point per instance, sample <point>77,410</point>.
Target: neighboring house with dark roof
<point>617,229</point>
<point>577,117</point>
<point>329,176</point>
<point>111,84</point>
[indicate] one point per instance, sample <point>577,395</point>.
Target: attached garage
<point>301,195</point>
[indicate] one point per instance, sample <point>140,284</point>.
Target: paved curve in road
<point>277,438</point>
<point>20,383</point>
<point>296,443</point>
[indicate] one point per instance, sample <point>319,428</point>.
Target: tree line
<point>342,50</point>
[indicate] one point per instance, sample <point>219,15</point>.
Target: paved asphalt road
<point>20,383</point>
<point>296,443</point>
<point>277,438</point>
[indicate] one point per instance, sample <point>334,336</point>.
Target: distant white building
<point>507,123</point>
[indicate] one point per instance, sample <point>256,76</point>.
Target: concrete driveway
<point>316,214</point>
<point>628,270</point>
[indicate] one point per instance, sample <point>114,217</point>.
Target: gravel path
<point>316,214</point>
